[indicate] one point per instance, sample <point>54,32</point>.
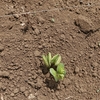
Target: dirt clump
<point>31,28</point>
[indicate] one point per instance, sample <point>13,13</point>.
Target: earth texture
<point>31,28</point>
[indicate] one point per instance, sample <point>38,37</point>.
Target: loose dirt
<point>31,28</point>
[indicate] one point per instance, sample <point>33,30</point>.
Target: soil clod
<point>1,47</point>
<point>84,24</point>
<point>4,74</point>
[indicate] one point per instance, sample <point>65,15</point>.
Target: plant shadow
<point>52,84</point>
<point>44,69</point>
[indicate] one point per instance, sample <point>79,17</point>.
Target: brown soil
<point>73,31</point>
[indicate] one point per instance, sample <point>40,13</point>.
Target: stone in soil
<point>98,53</point>
<point>41,20</point>
<point>37,31</point>
<point>94,74</point>
<point>26,93</point>
<point>37,53</point>
<point>16,90</point>
<point>1,47</point>
<point>76,70</point>
<point>95,64</point>
<point>42,97</point>
<point>39,83</point>
<point>84,24</point>
<point>22,89</point>
<point>12,94</point>
<point>1,85</point>
<point>4,74</point>
<point>31,97</point>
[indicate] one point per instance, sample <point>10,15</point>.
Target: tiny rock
<point>42,97</point>
<point>1,47</point>
<point>26,46</point>
<point>26,93</point>
<point>67,82</point>
<point>94,64</point>
<point>62,37</point>
<point>2,54</point>
<point>31,97</point>
<point>84,24</point>
<point>94,74</point>
<point>1,85</point>
<point>52,20</point>
<point>22,89</point>
<point>40,3</point>
<point>12,95</point>
<point>99,44</point>
<point>16,90</point>
<point>4,74</point>
<point>99,53</point>
<point>37,53</point>
<point>39,83</point>
<point>76,69</point>
<point>41,20</point>
<point>37,31</point>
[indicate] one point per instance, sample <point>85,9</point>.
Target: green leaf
<point>54,74</point>
<point>45,60</point>
<point>60,76</point>
<point>49,59</point>
<point>53,60</point>
<point>60,69</point>
<point>58,60</point>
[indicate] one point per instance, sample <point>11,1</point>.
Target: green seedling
<point>59,73</point>
<point>49,60</point>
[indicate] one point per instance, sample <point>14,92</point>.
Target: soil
<point>70,28</point>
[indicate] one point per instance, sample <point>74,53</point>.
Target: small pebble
<point>22,89</point>
<point>37,53</point>
<point>1,85</point>
<point>26,93</point>
<point>41,20</point>
<point>26,46</point>
<point>77,70</point>
<point>62,36</point>
<point>12,94</point>
<point>37,31</point>
<point>1,47</point>
<point>52,20</point>
<point>31,96</point>
<point>16,90</point>
<point>2,54</point>
<point>39,83</point>
<point>4,74</point>
<point>94,74</point>
<point>92,45</point>
<point>95,64</point>
<point>99,53</point>
<point>40,3</point>
<point>99,44</point>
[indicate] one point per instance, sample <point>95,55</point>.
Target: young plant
<point>59,73</point>
<point>49,60</point>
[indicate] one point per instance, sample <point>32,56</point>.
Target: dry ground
<point>67,27</point>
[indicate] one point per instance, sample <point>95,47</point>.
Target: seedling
<point>55,67</point>
<point>59,73</point>
<point>51,61</point>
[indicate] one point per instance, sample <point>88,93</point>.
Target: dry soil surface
<point>31,28</point>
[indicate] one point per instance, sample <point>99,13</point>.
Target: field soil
<point>31,28</point>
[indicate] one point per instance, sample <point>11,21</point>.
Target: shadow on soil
<point>50,82</point>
